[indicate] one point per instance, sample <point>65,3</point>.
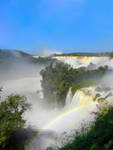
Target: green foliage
<point>55,81</point>
<point>99,136</point>
<point>111,54</point>
<point>11,111</point>
<point>58,77</point>
<point>82,84</point>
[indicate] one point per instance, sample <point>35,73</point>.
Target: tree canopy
<point>58,77</point>
<point>11,119</point>
<point>98,136</point>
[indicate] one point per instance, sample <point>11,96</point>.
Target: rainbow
<point>40,132</point>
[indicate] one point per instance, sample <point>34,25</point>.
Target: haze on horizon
<point>56,25</point>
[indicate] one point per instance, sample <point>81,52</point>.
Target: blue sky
<point>56,25</point>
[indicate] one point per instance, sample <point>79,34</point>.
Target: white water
<point>69,97</point>
<point>53,134</point>
<point>40,115</point>
<point>77,62</point>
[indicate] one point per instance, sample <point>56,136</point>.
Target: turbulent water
<point>91,62</point>
<point>41,117</point>
<point>59,124</point>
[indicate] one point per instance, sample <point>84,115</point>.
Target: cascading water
<point>82,98</point>
<point>77,98</point>
<point>69,97</point>
<point>77,62</point>
<point>55,122</point>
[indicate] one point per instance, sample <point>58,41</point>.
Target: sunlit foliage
<point>11,120</point>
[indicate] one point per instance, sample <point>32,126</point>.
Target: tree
<point>98,136</point>
<point>11,120</point>
<point>58,77</point>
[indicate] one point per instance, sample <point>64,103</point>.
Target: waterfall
<point>81,98</point>
<point>69,97</point>
<point>77,62</point>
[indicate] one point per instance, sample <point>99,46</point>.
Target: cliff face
<point>85,61</point>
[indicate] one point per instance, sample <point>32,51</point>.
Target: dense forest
<point>58,77</point>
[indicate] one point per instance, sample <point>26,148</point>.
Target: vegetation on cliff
<point>98,136</point>
<point>58,77</point>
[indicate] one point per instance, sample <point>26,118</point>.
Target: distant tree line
<point>103,54</point>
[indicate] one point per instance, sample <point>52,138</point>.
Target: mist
<point>107,80</point>
<point>19,70</point>
<point>24,78</point>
